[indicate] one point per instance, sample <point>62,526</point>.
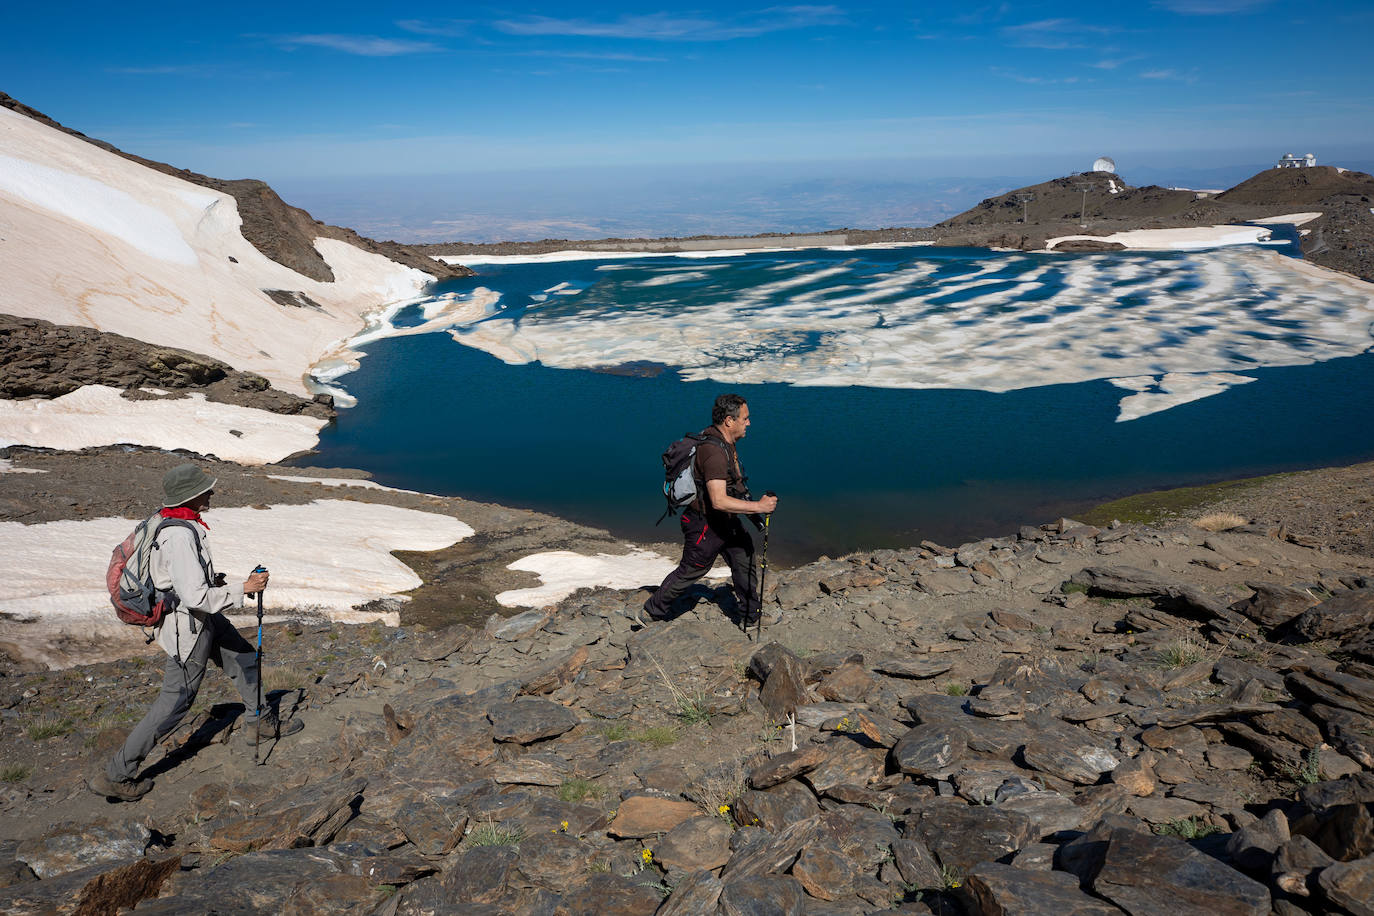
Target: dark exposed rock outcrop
<point>41,359</point>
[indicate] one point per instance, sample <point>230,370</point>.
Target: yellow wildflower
<point>563,826</point>
<point>648,856</point>
<point>724,809</point>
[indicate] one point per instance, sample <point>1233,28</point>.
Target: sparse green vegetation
<point>654,736</point>
<point>1181,654</point>
<point>1306,773</point>
<point>693,709</point>
<point>491,833</point>
<point>1169,505</point>
<point>1073,588</point>
<point>615,731</point>
<point>956,689</point>
<point>657,736</point>
<point>599,868</point>
<point>49,727</point>
<point>576,789</point>
<point>15,772</point>
<point>1188,828</point>
<point>950,875</point>
<point>287,677</point>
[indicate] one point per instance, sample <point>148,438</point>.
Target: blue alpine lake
<point>897,393</point>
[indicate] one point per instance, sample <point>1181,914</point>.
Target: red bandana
<point>184,512</point>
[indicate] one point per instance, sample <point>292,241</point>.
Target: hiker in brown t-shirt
<point>712,526</point>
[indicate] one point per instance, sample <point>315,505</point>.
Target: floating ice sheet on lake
<point>987,322</point>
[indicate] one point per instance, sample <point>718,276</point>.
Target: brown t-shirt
<point>716,463</point>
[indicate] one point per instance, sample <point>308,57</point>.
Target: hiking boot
<point>640,617</point>
<point>269,728</point>
<point>128,790</point>
<point>770,618</point>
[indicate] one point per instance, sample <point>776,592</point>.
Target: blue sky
<point>308,93</point>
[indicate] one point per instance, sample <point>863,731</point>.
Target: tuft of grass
<point>956,689</point>
<point>599,868</point>
<point>491,833</point>
<point>1221,521</point>
<point>576,789</point>
<point>15,772</point>
<point>1181,654</point>
<point>49,727</point>
<point>1073,588</point>
<point>1188,828</point>
<point>287,677</point>
<point>615,731</point>
<point>693,709</point>
<point>657,736</point>
<point>951,877</point>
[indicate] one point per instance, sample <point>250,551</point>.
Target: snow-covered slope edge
<point>94,239</point>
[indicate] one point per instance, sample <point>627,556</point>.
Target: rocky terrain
<point>39,359</point>
<point>1072,719</point>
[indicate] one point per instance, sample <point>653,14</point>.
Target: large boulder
<point>1149,875</point>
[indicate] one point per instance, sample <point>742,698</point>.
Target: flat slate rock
<point>931,750</point>
<point>962,835</point>
<point>775,808</point>
<point>1150,875</point>
<point>1350,885</point>
<point>1004,890</point>
<point>695,894</point>
<point>512,628</point>
<point>768,895</point>
<point>70,846</point>
<point>529,720</point>
<point>784,692</point>
<point>1338,616</point>
<point>1077,761</point>
<point>788,765</point>
<point>611,895</point>
<point>697,843</point>
<point>914,667</point>
<point>647,815</point>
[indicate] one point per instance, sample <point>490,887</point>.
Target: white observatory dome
<point>1104,164</point>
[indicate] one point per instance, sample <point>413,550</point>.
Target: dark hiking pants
<point>217,641</point>
<point>701,545</point>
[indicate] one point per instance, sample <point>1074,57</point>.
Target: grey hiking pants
<point>217,641</point>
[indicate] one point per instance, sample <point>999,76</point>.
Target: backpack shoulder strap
<point>195,536</point>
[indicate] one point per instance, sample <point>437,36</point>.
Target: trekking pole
<point>763,573</point>
<point>257,723</point>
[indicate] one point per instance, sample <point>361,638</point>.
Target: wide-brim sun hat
<point>184,483</point>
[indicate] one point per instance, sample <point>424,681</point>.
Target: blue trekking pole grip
<point>257,723</point>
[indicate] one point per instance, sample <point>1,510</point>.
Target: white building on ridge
<point>1289,161</point>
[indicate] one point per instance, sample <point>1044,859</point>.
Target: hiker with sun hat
<point>193,633</point>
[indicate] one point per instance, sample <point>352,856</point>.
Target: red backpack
<point>130,576</point>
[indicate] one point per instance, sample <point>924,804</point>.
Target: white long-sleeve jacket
<point>175,566</point>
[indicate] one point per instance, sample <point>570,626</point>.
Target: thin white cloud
<point>362,45</point>
<point>669,27</point>
<point>1034,80</point>
<point>443,28</point>
<point>1169,74</point>
<point>153,71</point>
<point>1210,7</point>
<point>597,55</point>
<point>1054,34</point>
